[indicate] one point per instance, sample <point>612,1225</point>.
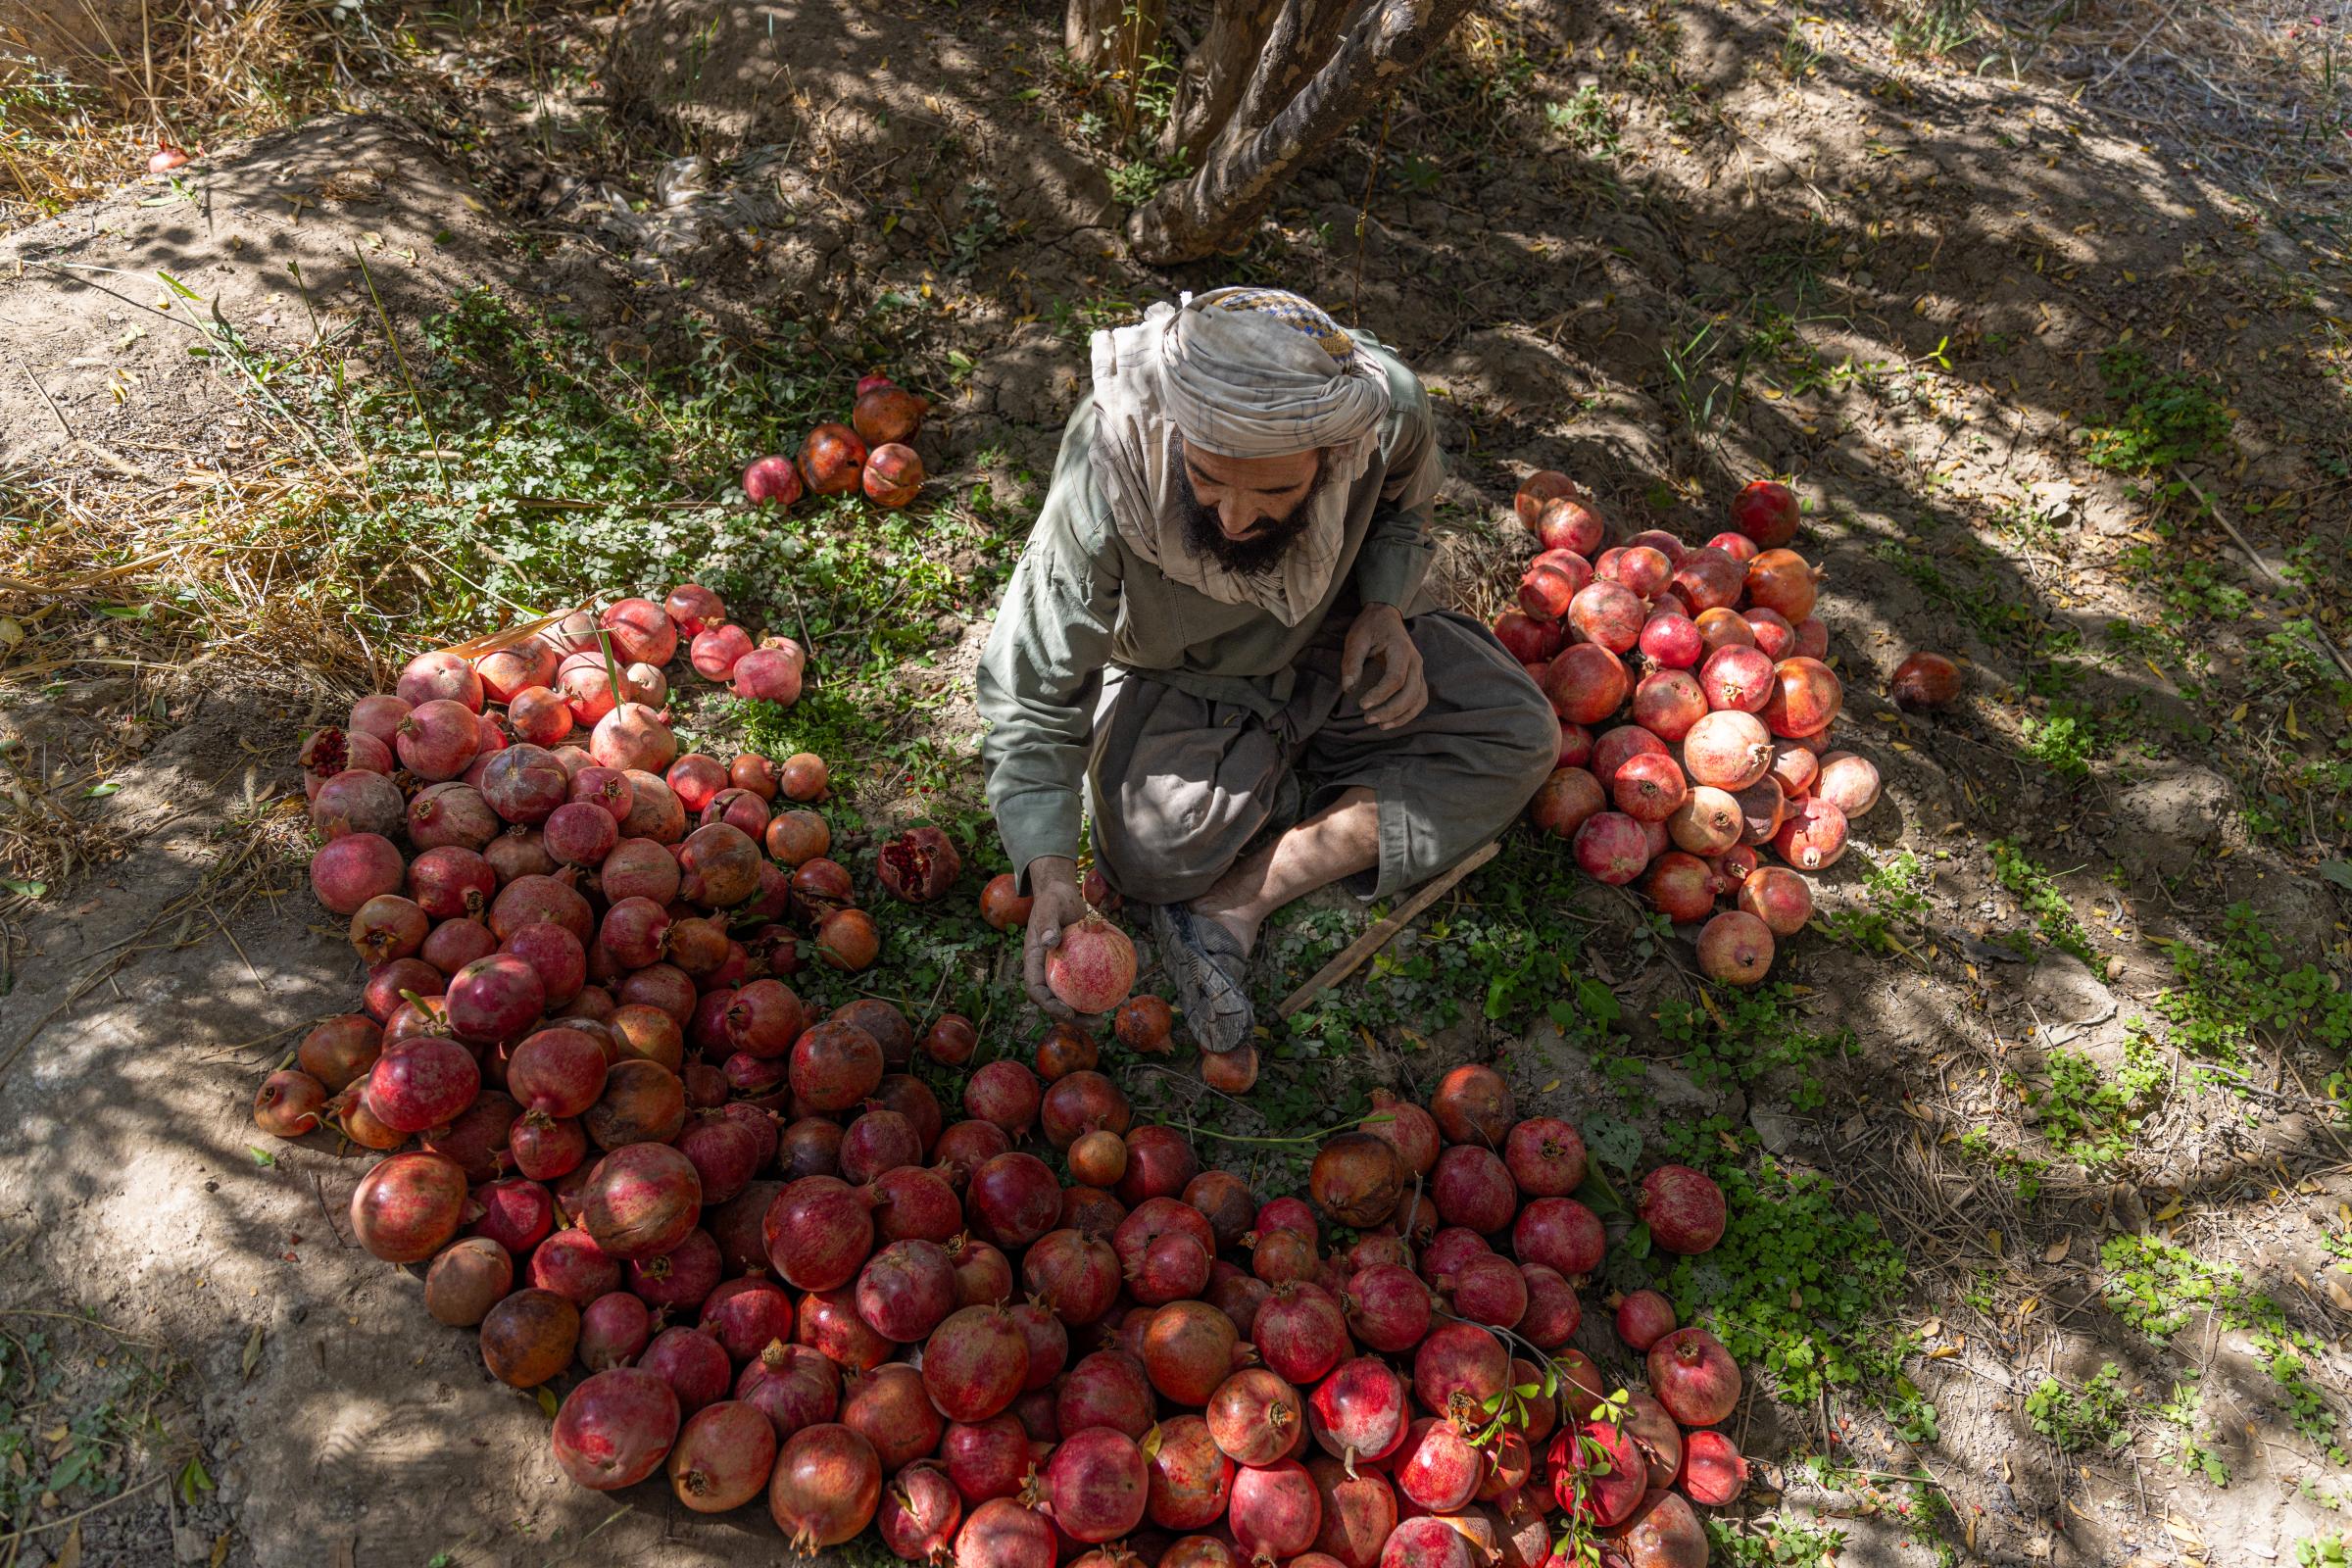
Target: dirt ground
<point>1926,263</point>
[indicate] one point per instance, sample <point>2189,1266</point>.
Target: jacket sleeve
<point>1037,673</point>
<point>1396,552</point>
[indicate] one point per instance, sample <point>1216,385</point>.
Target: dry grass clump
<point>90,89</point>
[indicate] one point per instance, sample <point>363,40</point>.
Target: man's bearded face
<point>1244,513</point>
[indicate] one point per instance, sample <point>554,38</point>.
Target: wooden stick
<point>1381,935</point>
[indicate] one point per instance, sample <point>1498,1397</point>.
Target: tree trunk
<point>1112,38</point>
<point>1214,75</point>
<point>1272,129</point>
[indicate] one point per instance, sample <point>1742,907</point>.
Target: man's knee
<point>1153,856</point>
<point>1145,872</point>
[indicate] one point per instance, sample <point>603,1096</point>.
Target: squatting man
<point>1217,648</point>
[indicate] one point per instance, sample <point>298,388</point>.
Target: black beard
<point>1205,535</point>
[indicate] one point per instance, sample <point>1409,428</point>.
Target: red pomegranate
<point>974,1363</point>
<point>616,1428</point>
<point>1586,683</point>
<point>1813,835</point>
<point>1713,1472</point>
<point>771,480</point>
<point>1596,1473</point>
<point>1568,522</point>
<point>1766,511</point>
<point>825,1487</point>
<point>1613,848</point>
<point>1275,1510</point>
<point>1683,1209</point>
<point>1778,897</point>
<point>1925,681</point>
<point>1643,1318</point>
<point>1560,1234</point>
<point>1736,948</point>
<point>407,1206</point>
<point>1806,698</point>
<point>1092,970</point>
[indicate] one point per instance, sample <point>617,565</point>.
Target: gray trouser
<point>1179,785</point>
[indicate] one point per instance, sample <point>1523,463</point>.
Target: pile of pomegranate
<point>1696,711</point>
<point>792,1278</point>
<point>870,452</point>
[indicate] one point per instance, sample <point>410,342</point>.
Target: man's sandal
<point>1212,975</point>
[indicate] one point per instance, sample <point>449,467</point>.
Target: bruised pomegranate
<point>1806,696</point>
<point>1191,1480</point>
<point>1727,750</point>
<point>1357,1178</point>
<point>1608,613</point>
<point>1539,490</point>
<point>1002,904</point>
<point>1473,1104</point>
<point>288,1103</point>
<point>1360,1411</point>
<point>723,1456</point>
<point>888,1407</point>
<point>641,1200</point>
<point>894,475</point>
<point>616,1428</point>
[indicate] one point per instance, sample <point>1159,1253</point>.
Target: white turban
<point>1260,372</point>
<point>1242,372</point>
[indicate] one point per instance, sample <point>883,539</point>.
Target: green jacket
<point>1082,601</point>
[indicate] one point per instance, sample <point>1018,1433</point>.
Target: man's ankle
<point>1236,920</point>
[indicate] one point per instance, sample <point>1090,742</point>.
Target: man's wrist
<point>1051,870</point>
